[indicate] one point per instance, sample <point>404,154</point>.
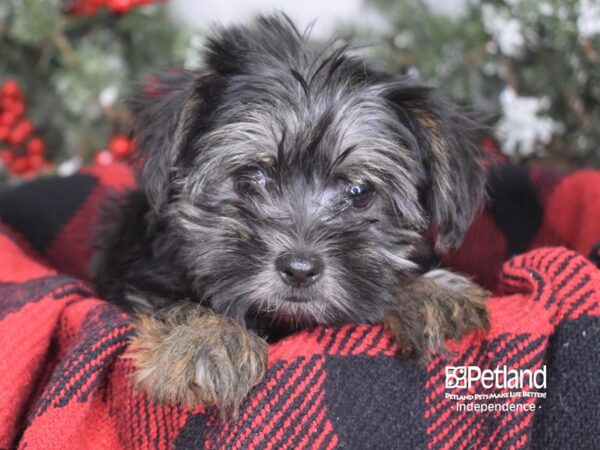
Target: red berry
<point>6,156</point>
<point>20,132</point>
<point>14,106</point>
<point>4,133</point>
<point>120,145</point>
<point>96,4</point>
<point>119,6</point>
<point>88,8</point>
<point>35,146</point>
<point>11,88</point>
<point>35,161</point>
<point>17,108</point>
<point>8,118</point>
<point>20,165</point>
<point>103,158</point>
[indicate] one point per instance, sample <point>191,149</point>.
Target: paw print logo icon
<point>456,377</point>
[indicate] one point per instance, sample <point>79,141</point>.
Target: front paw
<point>432,308</point>
<point>229,366</point>
<point>196,357</point>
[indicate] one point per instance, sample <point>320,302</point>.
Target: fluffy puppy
<point>284,185</point>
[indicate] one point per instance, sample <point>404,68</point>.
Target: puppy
<point>287,184</point>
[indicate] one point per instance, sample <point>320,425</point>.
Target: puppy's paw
<point>192,356</point>
<point>462,302</point>
<point>230,367</point>
<point>436,306</point>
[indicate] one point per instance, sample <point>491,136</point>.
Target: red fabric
<point>571,212</point>
<point>63,385</point>
<point>577,196</point>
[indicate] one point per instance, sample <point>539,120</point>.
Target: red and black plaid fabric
<point>63,385</point>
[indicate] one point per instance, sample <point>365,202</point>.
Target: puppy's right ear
<point>167,117</point>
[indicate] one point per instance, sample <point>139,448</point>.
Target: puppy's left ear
<point>454,185</point>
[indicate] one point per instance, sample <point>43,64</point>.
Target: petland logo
<point>464,377</point>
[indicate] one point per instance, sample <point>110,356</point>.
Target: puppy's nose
<point>299,271</point>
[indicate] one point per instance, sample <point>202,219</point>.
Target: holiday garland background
<point>77,63</point>
<point>529,68</point>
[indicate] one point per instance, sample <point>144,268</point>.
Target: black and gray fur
<point>284,148</point>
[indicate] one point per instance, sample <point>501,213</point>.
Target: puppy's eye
<point>361,194</point>
<point>251,180</point>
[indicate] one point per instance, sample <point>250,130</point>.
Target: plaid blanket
<point>64,386</point>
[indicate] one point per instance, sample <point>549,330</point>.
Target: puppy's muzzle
<point>299,271</point>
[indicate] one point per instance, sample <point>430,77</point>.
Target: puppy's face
<point>298,182</point>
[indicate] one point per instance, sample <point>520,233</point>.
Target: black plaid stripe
<point>15,295</point>
<point>104,333</point>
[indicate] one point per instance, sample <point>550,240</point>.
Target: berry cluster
<point>21,150</point>
<point>91,7</point>
<point>120,148</point>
